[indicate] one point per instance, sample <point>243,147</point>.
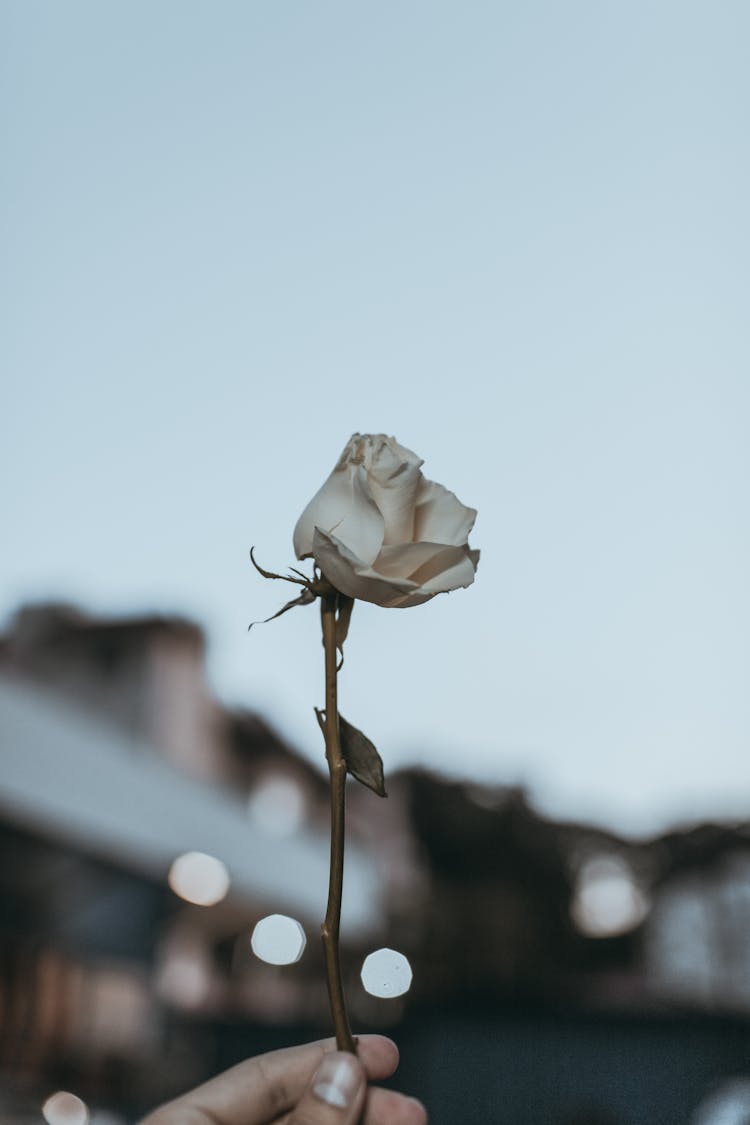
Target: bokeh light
<point>64,1108</point>
<point>199,878</point>
<point>730,1105</point>
<point>386,973</point>
<point>277,806</point>
<point>607,900</point>
<point>278,940</point>
<point>184,979</point>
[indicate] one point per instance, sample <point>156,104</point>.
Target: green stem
<point>337,769</point>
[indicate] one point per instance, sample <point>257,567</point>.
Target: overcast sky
<point>513,235</point>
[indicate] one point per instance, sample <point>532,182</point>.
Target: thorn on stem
<point>320,716</point>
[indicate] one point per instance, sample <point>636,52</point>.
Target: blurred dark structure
<point>573,975</point>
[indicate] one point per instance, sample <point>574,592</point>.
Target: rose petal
<point>425,593</point>
<point>394,478</point>
<point>402,559</point>
<point>325,508</point>
<point>344,505</point>
<point>460,575</point>
<point>435,567</point>
<point>412,599</point>
<point>440,517</point>
<point>450,571</point>
<point>353,577</point>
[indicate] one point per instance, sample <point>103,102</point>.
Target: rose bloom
<point>382,533</point>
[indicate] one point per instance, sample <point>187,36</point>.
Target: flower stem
<point>337,768</point>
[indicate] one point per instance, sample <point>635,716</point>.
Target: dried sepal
<point>307,597</point>
<point>301,581</point>
<point>344,607</point>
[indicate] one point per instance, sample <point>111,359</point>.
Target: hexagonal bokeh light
<point>278,940</point>
<point>199,878</point>
<point>64,1108</point>
<point>386,973</point>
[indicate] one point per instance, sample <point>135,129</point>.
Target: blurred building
<point>116,761</point>
<point>696,943</point>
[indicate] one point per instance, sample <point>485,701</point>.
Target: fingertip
<point>379,1055</point>
<point>382,1041</point>
<point>393,1107</point>
<point>420,1112</point>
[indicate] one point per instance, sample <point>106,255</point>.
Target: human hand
<point>309,1085</point>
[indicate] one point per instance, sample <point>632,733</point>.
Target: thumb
<point>336,1092</point>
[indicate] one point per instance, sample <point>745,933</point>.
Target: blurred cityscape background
<point>516,237</point>
<point>577,975</point>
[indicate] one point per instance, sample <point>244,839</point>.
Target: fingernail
<point>337,1080</point>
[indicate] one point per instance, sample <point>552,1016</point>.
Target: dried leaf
<point>362,759</point>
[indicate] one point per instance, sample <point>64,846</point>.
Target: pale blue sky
<point>513,235</point>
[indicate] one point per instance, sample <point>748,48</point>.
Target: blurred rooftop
<point>117,760</point>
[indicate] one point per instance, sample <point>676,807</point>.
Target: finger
<point>264,1088</point>
<point>384,1107</point>
<point>336,1094</point>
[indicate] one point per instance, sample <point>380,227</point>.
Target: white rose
<point>380,532</point>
